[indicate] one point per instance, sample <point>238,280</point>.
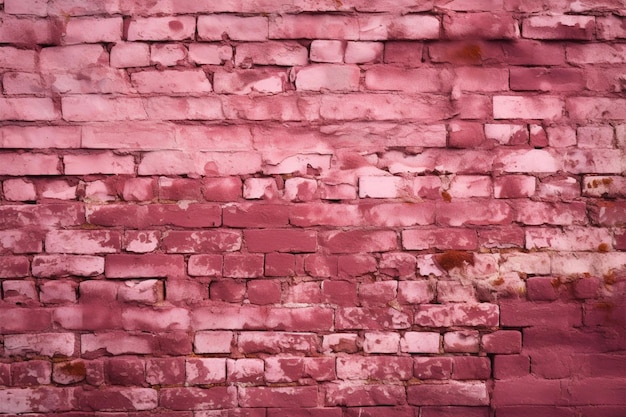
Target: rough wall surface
<point>269,208</point>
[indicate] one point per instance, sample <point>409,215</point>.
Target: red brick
<point>432,368</point>
<point>349,395</point>
<point>264,292</point>
<point>461,341</point>
<point>38,400</point>
<point>64,265</point>
<point>14,267</point>
<point>340,342</point>
<point>359,241</point>
<point>144,216</point>
<point>293,368</point>
<point>82,241</point>
<point>596,53</point>
<point>608,214</point>
<point>363,52</point>
<point>442,238</point>
<point>31,373</point>
<point>471,367</point>
<point>452,393</point>
<point>538,213</point>
<point>526,391</point>
<point>356,265</point>
<point>36,137</point>
<point>469,6</point>
<point>520,314</point>
<point>342,293</point>
<point>596,108</point>
<point>514,186</point>
<point>144,266</point>
<point>400,214</point>
<point>227,290</point>
<point>406,53</point>
<point>277,342</point>
<point>609,27</point>
<point>306,412</point>
<point>205,371</point>
<point>502,342</point>
<point>559,27</point>
<point>474,315</point>
<point>323,77</point>
<point>415,292</point>
<point>245,370</point>
<point>501,237</point>
<point>304,293</point>
<point>29,164</point>
<point>511,366</point>
<point>278,396</point>
<point>547,79</point>
<point>57,292</point>
<point>280,240</point>
<point>280,265</point>
<point>379,293</point>
<point>454,411</point>
<point>201,241</point>
<point>243,265</point>
<point>382,368</point>
<point>125,371</point>
<point>165,371</point>
<point>371,318</point>
<point>486,25</point>
<point>189,398</point>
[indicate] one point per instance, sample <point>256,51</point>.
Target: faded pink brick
<point>214,27</point>
<point>64,265</point>
<point>486,25</point>
<point>247,370</point>
<point>407,27</point>
<point>514,186</point>
<point>482,79</point>
<point>462,341</point>
<point>350,395</point>
<point>28,109</point>
<point>359,241</point>
<point>57,292</point>
<point>321,77</point>
<point>171,82</point>
<point>93,30</point>
<point>441,238</point>
<point>201,241</point>
<point>547,79</point>
<point>475,315</point>
<point>162,28</point>
<point>278,396</point>
<point>363,52</point>
<point>518,107</point>
<point>330,51</point>
<point>596,53</point>
<point>383,368</point>
<point>213,342</point>
<point>313,27</point>
<point>271,53</point>
<point>201,53</point>
<point>609,27</point>
<point>82,242</point>
<point>243,265</point>
<point>407,53</point>
<point>420,342</point>
<point>454,393</point>
<point>130,54</point>
<point>248,81</point>
<point>143,266</point>
<point>383,77</point>
<point>31,373</point>
<point>205,370</point>
<point>559,27</point>
<point>415,292</point>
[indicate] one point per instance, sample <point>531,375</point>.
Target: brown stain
<point>76,368</point>
<point>609,278</point>
<point>470,52</point>
<point>454,259</point>
<point>499,281</point>
<point>603,247</point>
<point>596,183</point>
<point>446,196</point>
<point>556,283</point>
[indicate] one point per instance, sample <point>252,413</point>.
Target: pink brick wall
<point>271,208</point>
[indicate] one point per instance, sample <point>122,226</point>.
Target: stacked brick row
<point>226,208</point>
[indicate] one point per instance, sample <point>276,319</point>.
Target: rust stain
<point>454,259</point>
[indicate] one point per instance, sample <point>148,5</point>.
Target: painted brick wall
<point>337,208</point>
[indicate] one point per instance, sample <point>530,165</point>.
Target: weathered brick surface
<point>312,208</point>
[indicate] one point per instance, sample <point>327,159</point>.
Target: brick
<point>276,342</point>
<point>547,79</point>
<point>537,213</point>
<point>467,135</point>
<point>462,341</point>
<point>340,342</point>
<point>213,341</point>
<point>608,27</point>
<point>375,318</point>
<point>29,164</point>
<point>525,161</point>
<point>165,371</point>
<point>359,241</point>
<point>162,28</point>
<point>201,241</point>
<point>37,399</point>
<point>243,265</point>
<point>406,27</point>
<point>271,53</point>
<point>526,391</point>
<point>514,186</point>
<point>171,82</point>
<point>464,213</point>
<point>341,293</point>
<point>453,393</point>
<point>470,6</point>
<point>44,344</point>
<point>200,163</point>
<point>415,292</point>
<point>517,107</point>
<point>148,291</point>
<point>120,399</point>
<point>481,79</point>
<point>374,368</point>
<point>17,59</point>
<point>349,395</point>
<point>406,53</point>
<point>116,343</point>
<point>19,190</point>
<point>202,54</point>
<point>280,240</point>
<point>82,108</point>
<point>502,342</point>
<point>191,398</point>
<point>574,239</point>
<point>595,137</point>
<point>330,51</point>
<point>54,266</point>
<point>28,109</point>
<point>93,30</point>
<point>143,266</point>
<point>168,54</point>
<point>598,161</point>
<point>384,77</point>
<point>20,292</point>
<point>596,53</point>
<point>321,77</point>
<point>69,372</point>
<point>29,7</point>
<point>82,242</point>
<point>596,108</point>
<point>487,25</point>
<point>559,27</point>
<point>264,292</point>
<point>441,238</point>
<point>609,214</point>
<point>471,367</point>
<point>305,293</point>
<point>475,315</point>
<point>130,54</point>
<point>28,32</point>
<point>420,342</point>
<point>474,107</point>
<point>124,371</point>
<point>253,215</point>
<point>539,314</point>
<point>20,320</point>
<point>214,27</point>
<point>278,396</point>
<point>293,368</point>
<point>227,290</point>
<point>381,342</point>
<point>15,83</point>
<point>57,292</point>
<point>20,241</point>
<point>205,370</point>
<point>142,217</point>
<point>247,81</point>
<point>363,52</point>
<point>511,366</point>
<point>313,27</point>
<point>245,370</point>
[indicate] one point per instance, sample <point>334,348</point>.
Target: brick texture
<point>312,208</point>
